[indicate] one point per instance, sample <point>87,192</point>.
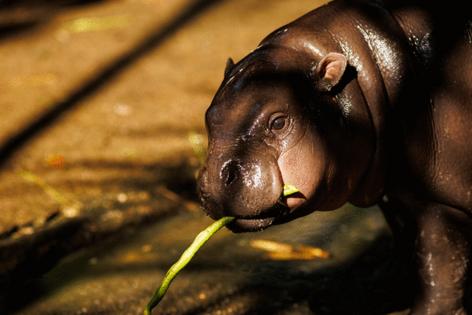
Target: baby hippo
<point>366,102</point>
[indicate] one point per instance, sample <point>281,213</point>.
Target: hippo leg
<point>400,269</point>
<point>403,229</point>
<point>443,249</point>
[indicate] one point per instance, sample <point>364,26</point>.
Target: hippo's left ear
<point>229,66</point>
<point>330,70</point>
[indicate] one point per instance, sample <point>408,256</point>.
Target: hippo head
<point>274,123</point>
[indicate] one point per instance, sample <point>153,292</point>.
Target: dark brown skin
<point>363,103</point>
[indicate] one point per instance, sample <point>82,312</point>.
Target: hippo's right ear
<point>229,66</point>
<point>329,71</point>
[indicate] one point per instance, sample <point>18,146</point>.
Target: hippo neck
<point>383,79</point>
<point>383,76</point>
<point>377,50</point>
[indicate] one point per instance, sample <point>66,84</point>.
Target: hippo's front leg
<point>443,250</point>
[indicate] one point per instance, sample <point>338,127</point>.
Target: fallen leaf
<point>55,161</point>
<point>285,251</point>
<point>35,80</point>
<point>90,24</point>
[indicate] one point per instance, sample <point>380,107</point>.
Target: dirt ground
<point>102,106</point>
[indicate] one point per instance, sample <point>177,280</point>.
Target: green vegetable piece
<point>187,255</point>
<point>290,190</point>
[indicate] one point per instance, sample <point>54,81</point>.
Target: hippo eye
<point>278,123</point>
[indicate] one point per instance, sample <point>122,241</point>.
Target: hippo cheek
<point>303,166</point>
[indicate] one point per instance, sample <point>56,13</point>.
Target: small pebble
<point>70,212</point>
<point>146,248</point>
<point>122,110</point>
<point>122,197</point>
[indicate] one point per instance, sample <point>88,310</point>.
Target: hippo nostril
<point>231,177</point>
<point>203,194</point>
<point>230,172</point>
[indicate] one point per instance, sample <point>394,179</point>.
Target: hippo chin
<point>361,102</point>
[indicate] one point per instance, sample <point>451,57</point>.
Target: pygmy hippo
<point>366,102</point>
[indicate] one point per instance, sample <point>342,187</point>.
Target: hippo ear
<point>330,70</point>
<point>229,66</point>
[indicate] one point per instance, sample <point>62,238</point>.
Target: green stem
<point>187,255</point>
<point>53,193</point>
<point>289,190</point>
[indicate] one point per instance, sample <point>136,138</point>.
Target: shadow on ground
<point>368,284</point>
<point>169,190</point>
<point>25,256</point>
<point>235,281</point>
<point>19,17</point>
<point>110,71</point>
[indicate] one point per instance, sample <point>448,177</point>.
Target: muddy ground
<point>102,107</point>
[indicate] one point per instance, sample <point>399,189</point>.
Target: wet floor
<point>228,275</point>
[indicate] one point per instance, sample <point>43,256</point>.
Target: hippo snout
<point>243,189</point>
<point>206,194</point>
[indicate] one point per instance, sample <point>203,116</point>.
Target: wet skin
<point>363,103</point>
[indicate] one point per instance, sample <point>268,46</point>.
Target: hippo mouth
<point>277,213</point>
<point>250,224</point>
